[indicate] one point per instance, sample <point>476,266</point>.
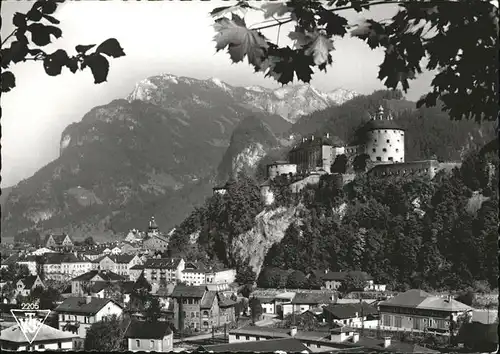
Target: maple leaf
<point>319,49</point>
<point>99,66</point>
<point>335,24</point>
<point>7,81</point>
<point>362,29</point>
<point>300,39</point>
<point>240,40</point>
<point>275,9</point>
<point>224,10</point>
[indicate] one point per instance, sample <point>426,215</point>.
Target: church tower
<point>153,227</point>
<point>384,139</point>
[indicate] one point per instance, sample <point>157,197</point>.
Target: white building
<point>76,314</point>
<point>47,338</point>
<point>384,140</point>
<point>42,251</point>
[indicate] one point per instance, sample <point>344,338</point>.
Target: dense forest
<point>407,233</point>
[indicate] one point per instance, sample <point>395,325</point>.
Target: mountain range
<point>157,152</point>
<point>162,149</point>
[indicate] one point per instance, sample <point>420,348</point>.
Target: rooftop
<point>162,263</point>
<point>189,291</point>
<point>79,305</point>
<point>419,299</point>
<point>105,275</point>
<point>148,330</point>
<point>345,311</point>
<point>46,333</point>
<point>289,345</point>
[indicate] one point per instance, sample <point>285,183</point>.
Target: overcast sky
<point>157,37</point>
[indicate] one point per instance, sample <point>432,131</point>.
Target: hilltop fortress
<point>382,146</point>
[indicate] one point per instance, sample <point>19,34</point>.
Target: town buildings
<point>80,285</point>
<point>418,310</point>
<point>143,336</point>
<point>76,314</point>
<point>119,264</point>
<point>47,338</point>
<point>167,269</point>
<point>26,285</point>
<point>198,308</point>
<point>352,315</point>
<point>61,242</point>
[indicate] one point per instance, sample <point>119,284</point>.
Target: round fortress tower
<point>384,139</point>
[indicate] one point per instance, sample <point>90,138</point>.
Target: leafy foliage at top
<point>42,34</point>
<point>450,35</point>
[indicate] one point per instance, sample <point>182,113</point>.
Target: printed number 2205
<point>30,306</point>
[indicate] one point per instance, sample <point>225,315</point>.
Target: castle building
<point>316,154</point>
<point>279,168</point>
<point>384,139</point>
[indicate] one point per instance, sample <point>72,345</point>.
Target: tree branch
<point>10,35</point>
<point>381,2</point>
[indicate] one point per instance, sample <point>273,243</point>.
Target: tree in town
<point>89,241</point>
<point>40,269</point>
<point>271,277</point>
<point>296,280</point>
<point>31,237</point>
<point>451,35</point>
<point>255,308</point>
<point>246,290</point>
<point>104,336</point>
<point>466,297</point>
<point>14,272</point>
<point>8,291</point>
<point>352,282</point>
<point>39,22</point>
<point>304,322</point>
<point>152,308</point>
<point>340,164</point>
<point>245,275</point>
<point>47,297</point>
<point>114,292</point>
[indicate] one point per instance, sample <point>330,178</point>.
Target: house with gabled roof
<point>352,315</point>
<point>26,285</point>
<point>47,338</point>
<point>120,264</point>
<point>168,269</point>
<point>80,284</point>
<point>194,273</point>
<point>77,314</point>
<point>146,336</point>
<point>417,310</point>
<point>198,308</point>
<point>59,242</point>
<point>303,301</point>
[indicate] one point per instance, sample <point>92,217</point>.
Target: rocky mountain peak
<point>290,102</point>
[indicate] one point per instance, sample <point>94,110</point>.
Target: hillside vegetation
<point>405,232</point>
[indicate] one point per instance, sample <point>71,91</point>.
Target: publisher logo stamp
<point>30,321</point>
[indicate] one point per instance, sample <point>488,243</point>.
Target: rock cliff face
<point>270,226</point>
<point>250,142</point>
